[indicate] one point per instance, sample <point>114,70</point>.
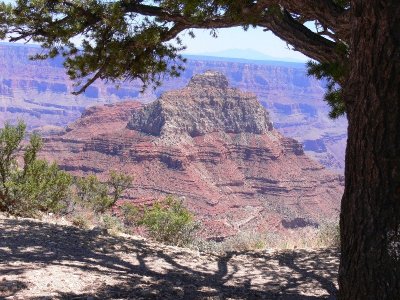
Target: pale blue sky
<point>236,38</point>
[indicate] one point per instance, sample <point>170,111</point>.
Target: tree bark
<point>370,213</point>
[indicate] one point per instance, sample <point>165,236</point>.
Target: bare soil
<point>41,260</point>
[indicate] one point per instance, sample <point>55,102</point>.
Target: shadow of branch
<point>31,242</point>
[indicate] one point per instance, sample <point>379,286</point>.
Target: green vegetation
<point>112,224</point>
<point>134,40</point>
<point>170,222</point>
<point>28,185</point>
<point>92,193</point>
<point>332,73</point>
<point>130,213</point>
<point>329,234</point>
<point>81,222</point>
<point>101,196</point>
<point>117,184</point>
<point>167,221</point>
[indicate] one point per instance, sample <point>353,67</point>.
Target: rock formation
<point>40,93</point>
<point>211,145</point>
<point>207,105</point>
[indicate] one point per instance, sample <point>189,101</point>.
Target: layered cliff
<point>40,93</point>
<point>210,144</point>
<point>206,105</point>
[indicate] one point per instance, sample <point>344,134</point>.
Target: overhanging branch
<point>107,26</point>
<point>281,24</point>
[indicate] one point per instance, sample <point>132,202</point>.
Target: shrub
<point>245,241</point>
<point>117,184</point>
<point>33,185</point>
<point>329,234</point>
<point>100,196</point>
<point>92,193</point>
<point>130,213</point>
<point>169,222</point>
<point>29,185</point>
<point>112,224</point>
<point>81,222</point>
<point>43,188</point>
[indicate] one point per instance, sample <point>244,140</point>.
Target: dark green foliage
<point>333,73</point>
<point>343,3</point>
<point>128,40</point>
<point>44,188</point>
<point>115,45</point>
<point>33,185</point>
<point>29,185</point>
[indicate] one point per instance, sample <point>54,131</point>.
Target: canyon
<point>211,145</point>
<point>39,92</point>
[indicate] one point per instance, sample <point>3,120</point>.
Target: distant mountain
<point>296,65</point>
<point>249,54</point>
<point>40,93</point>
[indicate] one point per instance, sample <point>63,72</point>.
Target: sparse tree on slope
<point>356,46</point>
<point>31,185</point>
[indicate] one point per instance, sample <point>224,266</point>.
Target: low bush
<point>130,214</point>
<point>30,186</point>
<point>329,234</point>
<point>101,196</point>
<point>81,222</point>
<point>170,222</point>
<point>92,193</point>
<point>112,224</point>
<point>243,241</point>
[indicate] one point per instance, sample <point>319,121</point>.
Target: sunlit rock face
<point>40,93</point>
<point>206,105</point>
<point>211,145</point>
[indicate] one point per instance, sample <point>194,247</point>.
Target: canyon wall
<point>211,145</point>
<point>40,93</point>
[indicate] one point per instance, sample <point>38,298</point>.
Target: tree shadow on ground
<point>146,271</point>
<point>9,288</point>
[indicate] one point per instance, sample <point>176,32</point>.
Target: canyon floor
<point>42,260</point>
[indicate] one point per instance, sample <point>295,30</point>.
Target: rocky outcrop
<point>206,105</point>
<point>40,93</point>
<point>237,172</point>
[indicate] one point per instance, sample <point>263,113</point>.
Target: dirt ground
<point>40,260</point>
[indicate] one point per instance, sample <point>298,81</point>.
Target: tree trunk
<point>370,215</point>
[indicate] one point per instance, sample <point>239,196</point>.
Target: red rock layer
<point>232,181</point>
